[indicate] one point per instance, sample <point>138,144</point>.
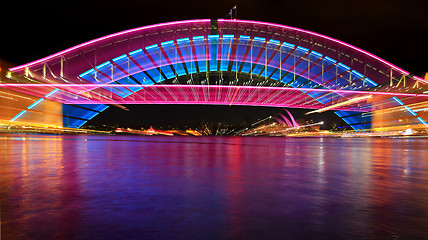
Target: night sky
<point>394,30</point>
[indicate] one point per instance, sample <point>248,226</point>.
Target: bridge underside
<point>81,102</point>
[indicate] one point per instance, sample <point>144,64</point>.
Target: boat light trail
<point>350,101</point>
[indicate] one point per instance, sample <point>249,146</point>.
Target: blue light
<point>49,94</point>
<point>151,46</point>
<point>289,45</point>
<point>343,66</point>
<point>302,49</point>
<point>167,43</point>
<point>87,72</point>
<point>93,107</point>
<point>398,100</point>
<point>370,81</point>
<point>17,116</point>
<point>406,107</point>
<point>75,123</point>
<point>347,121</point>
<point>183,40</point>
<point>316,54</point>
<point>199,44</point>
<point>127,94</point>
<point>359,75</point>
<point>103,65</point>
<point>136,51</point>
<point>155,75</point>
<point>93,115</point>
<point>244,37</point>
<point>274,41</point>
<point>213,51</point>
<point>226,51</point>
<point>35,103</point>
<point>257,69</point>
<point>410,110</point>
<point>186,52</point>
<point>259,39</point>
<point>357,122</point>
<point>423,121</point>
<point>246,68</point>
<point>118,58</point>
<point>172,54</point>
<point>330,60</point>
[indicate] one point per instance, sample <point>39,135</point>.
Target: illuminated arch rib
<point>195,51</point>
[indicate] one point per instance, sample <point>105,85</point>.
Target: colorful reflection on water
<point>132,187</point>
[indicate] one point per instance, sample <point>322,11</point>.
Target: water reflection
<point>125,187</point>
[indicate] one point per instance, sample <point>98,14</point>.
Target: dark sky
<point>394,30</point>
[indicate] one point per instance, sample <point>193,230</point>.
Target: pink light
<point>292,118</point>
<point>419,79</point>
<point>104,38</point>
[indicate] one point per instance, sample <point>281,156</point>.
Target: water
<point>134,187</point>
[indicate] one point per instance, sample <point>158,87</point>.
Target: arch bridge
<point>220,61</point>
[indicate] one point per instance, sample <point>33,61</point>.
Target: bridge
<point>215,61</point>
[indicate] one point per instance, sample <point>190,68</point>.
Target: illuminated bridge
<point>224,62</point>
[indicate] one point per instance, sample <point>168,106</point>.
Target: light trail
<point>270,117</point>
<point>350,101</point>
